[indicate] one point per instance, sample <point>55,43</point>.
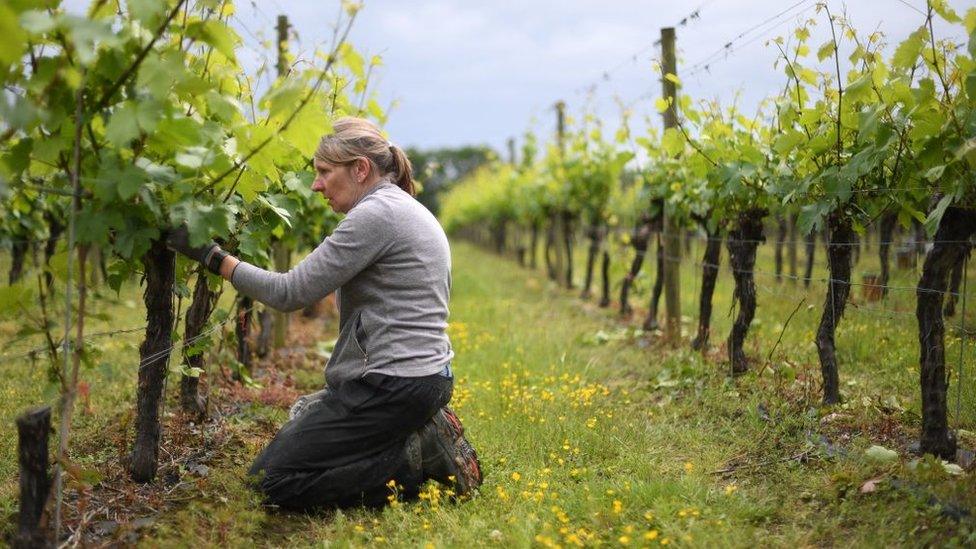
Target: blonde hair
<point>352,138</point>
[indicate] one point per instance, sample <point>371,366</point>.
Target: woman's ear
<point>362,169</point>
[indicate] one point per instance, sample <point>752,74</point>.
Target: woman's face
<point>341,184</point>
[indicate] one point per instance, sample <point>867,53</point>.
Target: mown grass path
<point>589,435</point>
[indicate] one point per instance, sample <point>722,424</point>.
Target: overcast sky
<point>464,72</point>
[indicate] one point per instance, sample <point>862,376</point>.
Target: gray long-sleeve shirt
<point>390,262</point>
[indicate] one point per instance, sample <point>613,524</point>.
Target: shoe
<point>447,456</point>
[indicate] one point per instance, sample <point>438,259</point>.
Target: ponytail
<point>402,171</point>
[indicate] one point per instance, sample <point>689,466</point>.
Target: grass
<point>589,432</point>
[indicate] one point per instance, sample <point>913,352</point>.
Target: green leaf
<point>283,99</point>
<point>215,33</point>
<point>123,126</point>
<point>880,454</point>
<point>906,54</point>
<point>250,185</point>
<point>351,58</point>
<point>374,109</point>
<point>224,107</point>
<point>306,130</point>
<point>14,41</point>
<point>15,298</point>
<point>934,174</point>
<point>37,21</point>
<point>147,12</point>
<point>134,241</point>
<point>788,141</point>
<point>935,216</point>
<point>156,172</point>
<point>131,181</point>
<point>672,142</point>
<point>118,272</point>
<point>826,50</point>
<point>808,75</point>
<point>867,122</point>
<point>205,221</point>
<point>263,161</point>
<point>159,73</point>
<point>87,35</point>
<point>859,89</point>
<point>945,11</point>
<point>148,114</point>
<point>194,158</point>
<point>279,211</point>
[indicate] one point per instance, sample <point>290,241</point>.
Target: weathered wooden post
<point>33,429</point>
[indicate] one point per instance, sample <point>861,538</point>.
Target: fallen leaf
<point>881,454</point>
<point>871,485</point>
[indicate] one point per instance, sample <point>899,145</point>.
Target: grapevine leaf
<point>271,203</point>
<point>945,11</point>
<point>123,126</point>
<point>908,51</point>
<point>935,216</point>
<point>808,75</point>
<point>134,241</point>
<point>283,99</point>
<point>216,34</point>
<point>130,182</point>
<point>250,185</point>
<point>352,59</point>
<point>15,298</point>
<point>826,50</point>
<point>14,38</point>
<point>147,12</point>
<point>156,172</point>
<point>37,21</point>
<point>94,223</point>
<point>118,272</point>
<point>225,108</point>
<point>859,89</point>
<point>148,114</point>
<point>934,174</point>
<point>159,73</point>
<point>204,221</point>
<point>88,35</point>
<point>788,141</point>
<point>971,86</point>
<point>194,158</point>
<point>672,142</point>
<point>306,129</point>
<point>374,109</point>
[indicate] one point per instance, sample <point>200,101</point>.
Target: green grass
<point>588,432</point>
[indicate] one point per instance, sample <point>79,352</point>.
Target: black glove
<point>210,254</point>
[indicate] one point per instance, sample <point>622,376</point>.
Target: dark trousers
<point>349,444</point>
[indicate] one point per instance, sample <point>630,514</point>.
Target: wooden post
<point>33,429</point>
<point>557,218</point>
<point>511,151</point>
<point>282,28</point>
<point>672,244</point>
<point>281,256</point>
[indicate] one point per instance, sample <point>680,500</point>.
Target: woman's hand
<point>210,254</point>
